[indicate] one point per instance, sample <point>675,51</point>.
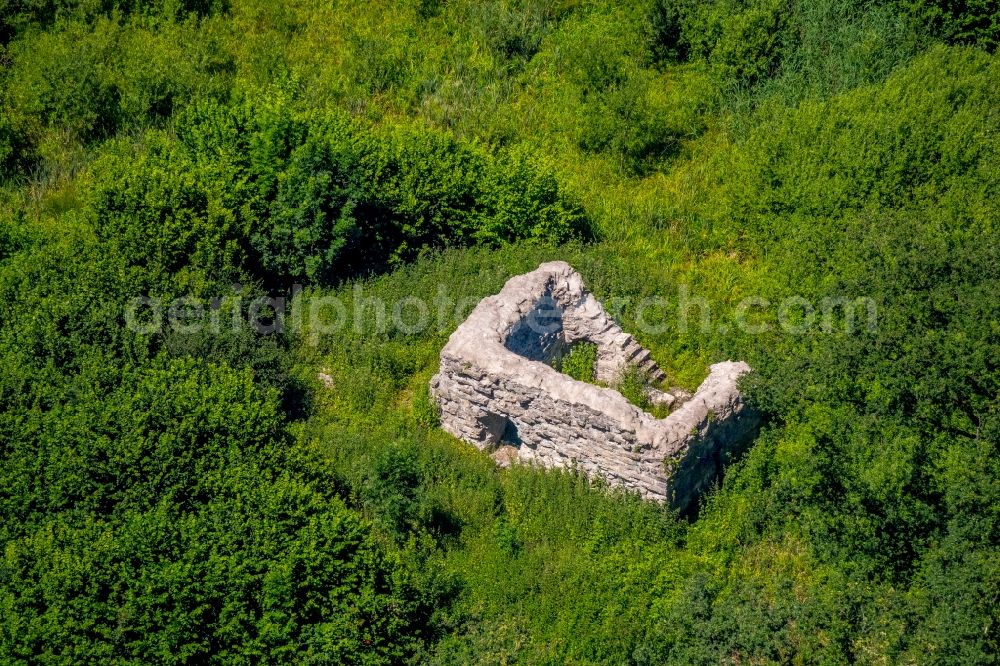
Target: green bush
<point>15,150</point>
<point>839,45</point>
<point>523,200</point>
<point>14,236</point>
<point>975,22</point>
<point>595,48</point>
<point>79,84</point>
<point>21,15</point>
<point>580,361</point>
<point>631,383</point>
<point>64,80</point>
<point>391,490</point>
<point>161,486</point>
<point>664,32</point>
<point>289,197</point>
<point>162,66</point>
<point>513,29</point>
<point>825,45</point>
<point>750,45</point>
<point>160,210</point>
<point>843,155</point>
<point>313,230</point>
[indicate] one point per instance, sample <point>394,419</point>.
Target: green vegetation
<point>275,196</point>
<point>180,497</point>
<point>632,383</point>
<point>579,362</point>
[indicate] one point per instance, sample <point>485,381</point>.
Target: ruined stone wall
<point>496,385</point>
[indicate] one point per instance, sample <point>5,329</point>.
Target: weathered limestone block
<point>497,388</point>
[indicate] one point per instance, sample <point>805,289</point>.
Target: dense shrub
<point>160,211</point>
<point>823,45</point>
<point>391,490</point>
<point>133,530</point>
<point>13,236</point>
<point>15,151</point>
<point>296,197</point>
<point>579,362</point>
<point>79,84</point>
<point>837,45</point>
<point>750,44</point>
<point>64,80</point>
<point>923,136</point>
<point>664,32</point>
<point>21,15</point>
<point>513,29</point>
<point>975,22</point>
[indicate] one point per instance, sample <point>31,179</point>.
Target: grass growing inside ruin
<point>579,362</point>
<point>633,383</point>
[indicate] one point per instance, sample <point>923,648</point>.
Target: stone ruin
<point>497,389</point>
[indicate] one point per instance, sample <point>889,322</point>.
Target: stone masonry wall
<point>496,386</point>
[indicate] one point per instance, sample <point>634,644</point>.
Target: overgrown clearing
<point>185,497</point>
